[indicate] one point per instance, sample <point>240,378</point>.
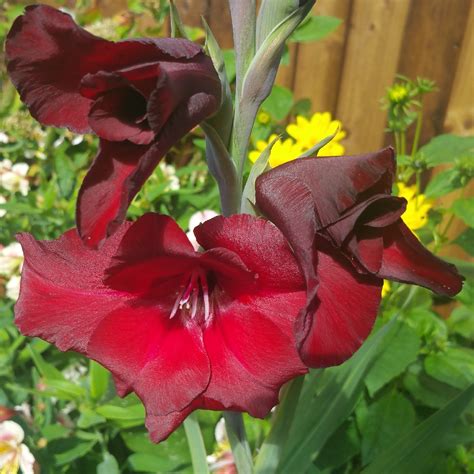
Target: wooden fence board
<point>431,48</point>
<point>319,64</point>
<point>371,58</point>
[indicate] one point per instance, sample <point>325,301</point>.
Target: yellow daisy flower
<point>304,134</point>
<point>282,151</point>
<point>418,206</point>
<point>308,133</point>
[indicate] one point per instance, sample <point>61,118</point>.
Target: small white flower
<point>169,172</point>
<point>14,454</point>
<point>13,177</point>
<point>2,201</point>
<point>4,138</point>
<point>13,288</point>
<point>196,219</point>
<point>11,259</point>
<point>77,140</point>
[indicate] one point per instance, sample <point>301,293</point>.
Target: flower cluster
<point>223,322</point>
<point>303,135</point>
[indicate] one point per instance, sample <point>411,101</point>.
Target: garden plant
<point>202,279</point>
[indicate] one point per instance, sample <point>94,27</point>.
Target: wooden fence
<point>348,73</point>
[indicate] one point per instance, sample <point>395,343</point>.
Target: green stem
<point>403,143</point>
<point>235,428</point>
<point>397,142</point>
<point>196,444</point>
<point>416,139</point>
<point>272,448</point>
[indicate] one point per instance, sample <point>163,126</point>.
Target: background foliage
<point>397,406</point>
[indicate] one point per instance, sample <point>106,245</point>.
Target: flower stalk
<point>196,444</point>
<point>238,441</point>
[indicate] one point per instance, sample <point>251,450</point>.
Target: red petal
<point>48,55</point>
<point>348,305</point>
<point>153,248</point>
<point>260,246</point>
<point>405,259</point>
<point>162,359</point>
<point>251,348</point>
<point>62,296</point>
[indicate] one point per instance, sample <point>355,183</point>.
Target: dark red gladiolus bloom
<point>346,201</point>
<point>186,329</point>
<point>139,96</point>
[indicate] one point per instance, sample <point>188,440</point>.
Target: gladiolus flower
<point>186,329</point>
<point>346,202</point>
<point>139,96</point>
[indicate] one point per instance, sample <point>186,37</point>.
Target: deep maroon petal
<point>62,297</point>
<point>121,168</point>
<point>177,83</point>
<point>119,115</point>
<point>48,55</point>
<point>405,259</point>
<point>162,359</point>
<point>346,311</point>
<point>336,183</point>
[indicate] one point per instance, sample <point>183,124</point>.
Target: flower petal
<point>260,246</point>
<point>346,310</point>
<point>252,352</point>
<point>48,55</point>
<point>405,259</point>
<point>161,358</point>
<point>118,115</point>
<point>336,183</point>
<point>121,168</point>
<point>62,297</point>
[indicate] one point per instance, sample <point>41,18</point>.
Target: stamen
<point>189,297</point>
<point>205,294</point>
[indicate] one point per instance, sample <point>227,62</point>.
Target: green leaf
<point>401,349</point>
<point>56,431</point>
<point>319,417</point>
<point>109,465</point>
<point>410,453</point>
<point>98,380</point>
<point>79,449</point>
<point>65,172</point>
<point>385,421</point>
<point>443,183</point>
<point>177,28</point>
<point>45,369</point>
<point>114,412</point>
<point>425,389</point>
<point>315,28</point>
<point>88,418</point>
<point>461,322</point>
<point>454,366</point>
<point>64,389</point>
<point>464,209</point>
<point>279,103</point>
<point>447,149</point>
<point>466,241</point>
<point>342,446</point>
<point>248,195</point>
<point>229,61</point>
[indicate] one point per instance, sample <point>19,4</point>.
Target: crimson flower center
<point>194,299</point>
